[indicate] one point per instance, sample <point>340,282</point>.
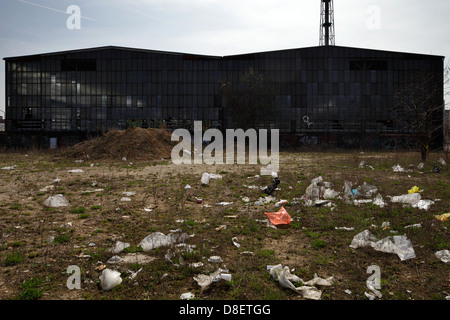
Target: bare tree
<point>420,105</point>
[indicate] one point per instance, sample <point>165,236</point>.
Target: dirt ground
<point>39,243</point>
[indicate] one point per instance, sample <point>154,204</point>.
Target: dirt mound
<point>134,144</point>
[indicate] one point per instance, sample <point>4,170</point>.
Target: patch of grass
<point>13,259</point>
<point>318,243</point>
<point>78,210</point>
<point>62,238</point>
<point>83,216</point>
<point>97,207</point>
<point>133,249</point>
<point>31,289</point>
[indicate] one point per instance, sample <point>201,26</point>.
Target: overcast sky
<point>219,27</point>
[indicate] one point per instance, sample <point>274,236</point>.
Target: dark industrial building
<point>327,95</point>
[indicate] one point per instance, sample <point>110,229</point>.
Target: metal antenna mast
<point>326,23</point>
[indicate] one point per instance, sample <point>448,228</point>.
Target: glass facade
<point>314,93</point>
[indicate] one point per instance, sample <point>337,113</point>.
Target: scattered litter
<point>196,265</point>
<point>100,267</point>
<point>137,258</point>
<point>148,210</point>
<point>261,201</point>
<point>410,198</point>
<point>205,280</point>
<point>125,199</point>
<point>207,176</point>
<point>308,291</point>
<point>361,165</point>
<point>246,199</point>
<point>187,296</point>
<point>417,225</point>
<point>129,193</point>
<point>444,255</point>
<point>235,242</point>
<point>401,245</point>
<point>273,186</point>
<point>47,188</point>
<point>357,202</point>
<point>56,201</point>
<point>281,203</point>
<point>134,274</point>
<point>398,168</point>
<point>223,203</point>
<point>330,193</point>
<point>420,166</point>
<point>187,187</point>
<point>443,217</point>
<point>344,228</point>
<point>367,189</point>
<point>215,259</point>
<point>114,260</point>
<point>281,217</point>
<point>423,204</point>
<point>436,169</point>
<point>378,200</point>
<point>442,161</point>
<point>76,171</point>
<point>110,279</point>
<point>119,247</point>
<point>158,239</point>
<point>414,190</point>
<point>9,168</point>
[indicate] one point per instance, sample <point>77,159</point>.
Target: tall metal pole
<point>327,23</point>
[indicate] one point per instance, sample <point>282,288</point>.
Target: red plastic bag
<point>280,217</point>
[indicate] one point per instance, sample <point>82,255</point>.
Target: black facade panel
<point>309,92</point>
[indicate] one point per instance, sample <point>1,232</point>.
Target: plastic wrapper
<point>307,291</point>
<point>399,245</point>
<point>281,217</point>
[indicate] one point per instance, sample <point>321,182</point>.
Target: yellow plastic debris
<point>443,217</point>
<point>414,190</point>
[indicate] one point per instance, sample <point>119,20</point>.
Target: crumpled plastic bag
<point>400,244</point>
<point>308,291</point>
<point>444,255</point>
<point>204,280</point>
<point>410,198</point>
<point>110,279</point>
<point>207,176</point>
<point>56,201</point>
<point>398,168</point>
<point>378,200</point>
<point>158,239</point>
<point>281,217</point>
<point>366,189</point>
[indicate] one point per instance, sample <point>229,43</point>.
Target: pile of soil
<point>133,144</point>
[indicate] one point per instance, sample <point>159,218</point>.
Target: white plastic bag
<point>110,279</point>
<point>56,201</point>
<point>400,246</point>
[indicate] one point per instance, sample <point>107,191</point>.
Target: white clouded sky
<point>220,27</point>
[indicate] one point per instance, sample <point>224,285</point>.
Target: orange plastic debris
<point>280,217</point>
